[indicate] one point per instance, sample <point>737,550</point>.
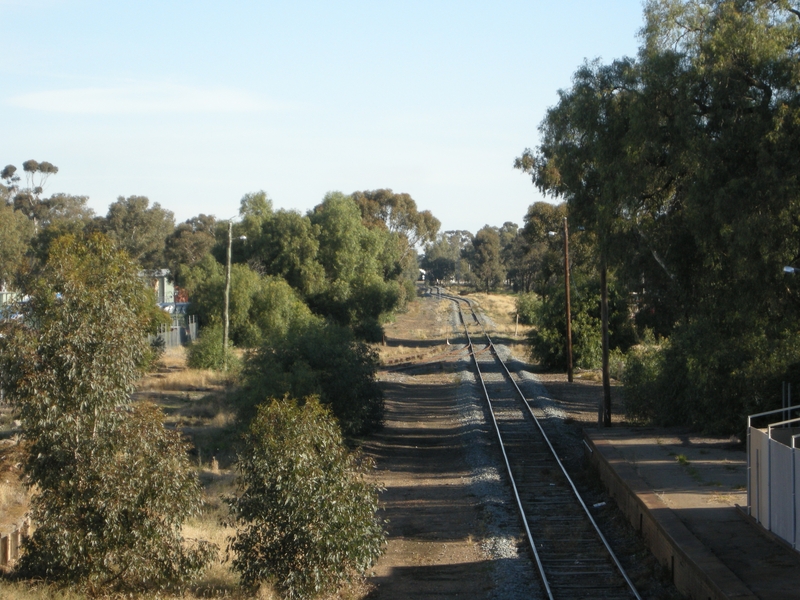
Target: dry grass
<point>14,496</point>
<point>502,310</point>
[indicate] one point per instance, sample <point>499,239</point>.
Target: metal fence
<point>181,331</point>
<point>773,472</point>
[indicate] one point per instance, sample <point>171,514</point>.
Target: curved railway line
<point>573,558</point>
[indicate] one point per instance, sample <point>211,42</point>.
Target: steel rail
<point>546,439</point>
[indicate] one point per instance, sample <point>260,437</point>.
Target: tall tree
<point>678,162</point>
<point>287,246</point>
<point>28,199</point>
<point>357,292</point>
<point>111,486</point>
<point>397,213</point>
<point>485,259</point>
<point>140,229</point>
<point>189,243</point>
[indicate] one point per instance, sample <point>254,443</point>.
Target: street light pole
<point>227,299</point>
<point>566,295</point>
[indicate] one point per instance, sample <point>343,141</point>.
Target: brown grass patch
<point>14,496</point>
<point>502,310</point>
<point>172,374</point>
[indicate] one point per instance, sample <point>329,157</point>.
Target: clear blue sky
<point>195,103</point>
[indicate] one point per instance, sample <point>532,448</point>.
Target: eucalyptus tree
<point>485,259</point>
<point>188,243</point>
<point>398,214</point>
<point>27,199</point>
<point>287,246</point>
<point>443,257</point>
<point>357,291</point>
<point>678,162</point>
<point>305,510</point>
<point>140,229</point>
<point>16,232</point>
<point>111,486</point>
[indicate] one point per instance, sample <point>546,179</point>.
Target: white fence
<point>773,472</point>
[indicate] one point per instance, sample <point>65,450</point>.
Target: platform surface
<point>701,480</point>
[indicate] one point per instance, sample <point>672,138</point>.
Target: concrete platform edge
<point>695,571</point>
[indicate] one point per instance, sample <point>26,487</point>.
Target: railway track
<point>573,558</point>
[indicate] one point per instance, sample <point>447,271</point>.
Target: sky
<point>195,103</point>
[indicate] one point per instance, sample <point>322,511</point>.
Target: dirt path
<point>434,520</point>
<point>452,532</point>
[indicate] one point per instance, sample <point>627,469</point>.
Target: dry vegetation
<point>502,311</point>
<point>197,402</point>
<point>13,494</point>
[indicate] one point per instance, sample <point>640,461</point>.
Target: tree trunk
<point>566,296</point>
<point>606,407</point>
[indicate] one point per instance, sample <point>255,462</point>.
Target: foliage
<point>344,265</point>
<point>676,162</point>
<point>528,305</point>
<point>398,214</point>
<point>260,307</point>
<point>140,229</point>
<point>111,486</point>
<point>113,515</point>
<point>323,359</point>
<point>16,231</point>
<point>537,257</point>
<point>59,215</point>
<point>188,244</point>
<point>305,513</point>
<point>356,260</point>
<point>547,338</point>
<point>28,199</point>
<point>443,256</point>
<point>206,352</point>
<point>286,246</point>
<point>484,258</point>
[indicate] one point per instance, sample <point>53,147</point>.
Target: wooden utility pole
<point>566,295</point>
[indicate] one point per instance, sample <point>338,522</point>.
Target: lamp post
<point>567,299</point>
<point>225,326</point>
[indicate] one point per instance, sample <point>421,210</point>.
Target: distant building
<point>7,296</point>
<point>161,284</point>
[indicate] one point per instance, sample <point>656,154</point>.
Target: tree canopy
<point>111,486</point>
<point>680,163</point>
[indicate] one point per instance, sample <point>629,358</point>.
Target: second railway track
<point>572,556</point>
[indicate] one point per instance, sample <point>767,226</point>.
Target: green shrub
<point>547,338</point>
<point>111,486</point>
<point>305,513</point>
<point>117,517</point>
<point>206,351</point>
<point>527,307</point>
<point>643,398</point>
<point>323,359</point>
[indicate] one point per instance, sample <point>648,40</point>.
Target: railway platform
<point>686,495</point>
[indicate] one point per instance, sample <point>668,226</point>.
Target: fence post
<point>4,551</point>
<point>13,544</point>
